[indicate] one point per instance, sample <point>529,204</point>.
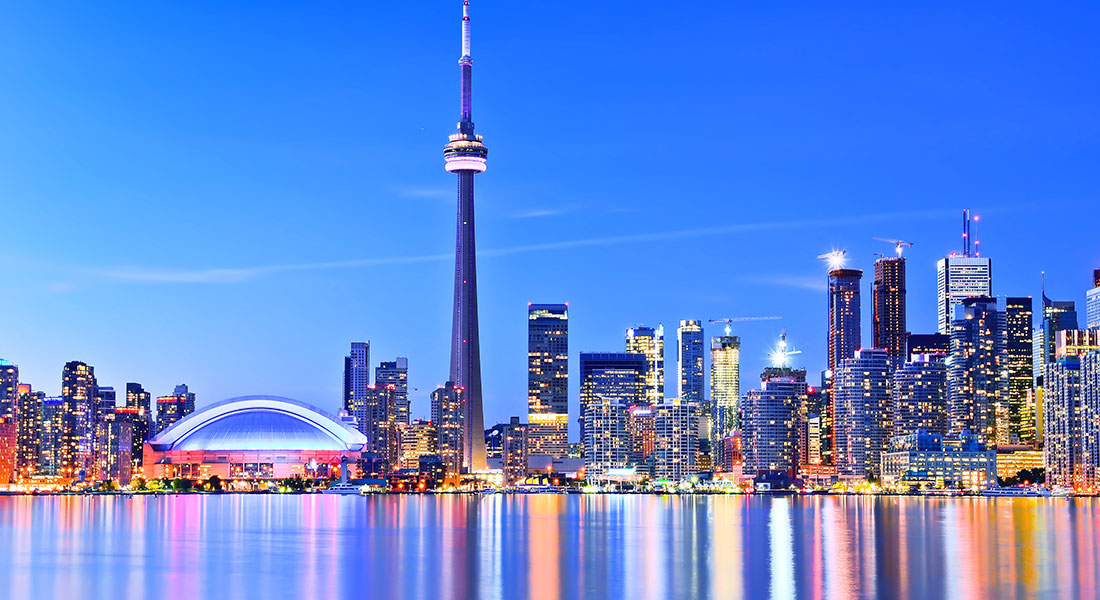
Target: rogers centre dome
<point>253,437</point>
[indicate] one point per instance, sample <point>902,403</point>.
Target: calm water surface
<point>635,547</point>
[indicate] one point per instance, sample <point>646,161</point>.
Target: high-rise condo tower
<point>465,155</point>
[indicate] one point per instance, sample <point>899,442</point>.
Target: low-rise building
<point>928,460</point>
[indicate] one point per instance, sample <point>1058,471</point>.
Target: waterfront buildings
<point>253,437</point>
<point>928,460</point>
<point>919,396</point>
<point>863,419</point>
<point>611,377</point>
<point>395,373</point>
<point>465,156</point>
<point>676,439</point>
<point>50,438</point>
<point>1013,458</point>
<point>889,326</point>
<point>548,379</point>
<point>977,374</point>
<point>959,278</point>
<point>641,429</point>
<point>170,409</point>
<point>114,461</point>
<point>769,421</point>
<point>1057,316</point>
<point>1090,418</point>
<point>650,342</point>
<point>9,447</point>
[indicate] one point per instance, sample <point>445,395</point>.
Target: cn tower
<point>465,155</point>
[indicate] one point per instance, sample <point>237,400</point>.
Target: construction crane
<point>899,245</point>
<point>730,320</point>
<point>834,258</point>
<point>781,356</point>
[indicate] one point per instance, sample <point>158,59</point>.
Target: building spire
<point>466,28</point>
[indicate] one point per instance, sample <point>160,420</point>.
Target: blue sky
<point>228,195</point>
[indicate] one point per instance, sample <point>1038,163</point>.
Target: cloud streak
<point>241,274</point>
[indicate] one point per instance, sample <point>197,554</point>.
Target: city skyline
<point>138,323</point>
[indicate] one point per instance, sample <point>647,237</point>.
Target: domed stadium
<point>253,437</point>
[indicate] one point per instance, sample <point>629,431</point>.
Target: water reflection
<point>544,547</point>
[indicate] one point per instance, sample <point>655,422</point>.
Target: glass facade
<point>548,379</point>
<point>959,278</point>
<point>651,343</point>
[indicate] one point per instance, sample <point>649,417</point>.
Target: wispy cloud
<point>801,282</point>
<point>223,275</point>
<point>539,212</point>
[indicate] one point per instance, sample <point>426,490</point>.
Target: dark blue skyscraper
<point>465,155</point>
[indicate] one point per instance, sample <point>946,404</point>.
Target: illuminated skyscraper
<point>356,374</point>
<point>1057,316</point>
<point>1090,417</point>
<point>725,382</point>
<point>114,461</point>
<point>863,419</point>
<point>1022,415</point>
<point>769,424</point>
<point>977,374</point>
<point>958,278</point>
<point>51,438</point>
<point>610,378</point>
<point>548,379</point>
<point>30,430</point>
<point>651,343</point>
<point>607,444</point>
<point>170,409</point>
<point>641,432</point>
<point>1092,302</point>
<point>1063,444</point>
<point>689,343</point>
<point>889,315</point>
<point>396,373</point>
<point>447,402</point>
<point>465,155</point>
<point>919,396</point>
<point>676,439</point>
<point>514,451</point>
<point>9,390</point>
<point>418,439</point>
<point>137,397</point>
<point>76,443</point>
<point>844,315</point>
<point>140,428</point>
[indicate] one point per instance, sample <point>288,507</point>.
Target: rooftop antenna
<point>966,232</point>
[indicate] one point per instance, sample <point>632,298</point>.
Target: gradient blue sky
<point>226,195</point>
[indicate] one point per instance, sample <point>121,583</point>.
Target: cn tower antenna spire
<point>464,155</point>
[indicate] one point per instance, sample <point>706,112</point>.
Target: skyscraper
<point>548,379</point>
<point>1022,417</point>
<point>137,397</point>
<point>725,382</point>
<point>919,396</point>
<point>447,402</point>
<point>514,451</point>
<point>863,419</point>
<point>958,278</point>
<point>676,439</point>
<point>651,343</point>
<point>50,438</point>
<point>769,427</point>
<point>1092,302</point>
<point>889,315</point>
<point>76,441</point>
<point>1090,417</point>
<point>29,432</point>
<point>396,373</point>
<point>9,390</point>
<point>1057,315</point>
<point>1063,444</point>
<point>465,155</point>
<point>610,378</point>
<point>606,443</point>
<point>356,374</point>
<point>844,315</point>
<point>689,343</point>
<point>105,402</point>
<point>977,375</point>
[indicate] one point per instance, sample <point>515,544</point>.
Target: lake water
<point>443,547</point>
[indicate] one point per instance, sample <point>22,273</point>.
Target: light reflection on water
<point>543,547</point>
